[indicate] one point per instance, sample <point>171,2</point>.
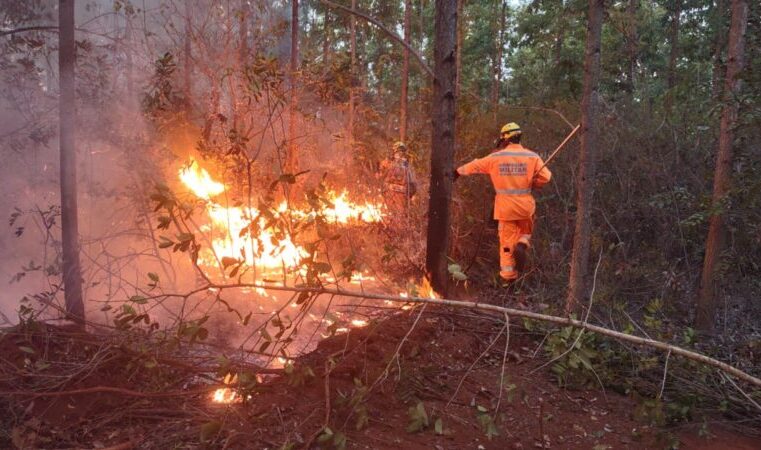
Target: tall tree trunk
<point>325,40</point>
<point>442,143</point>
<point>720,41</point>
<point>405,73</point>
<point>291,159</point>
<point>243,27</point>
<point>352,72</point>
<point>671,77</point>
<point>187,84</point>
<point>72,274</point>
<point>632,44</point>
<point>577,284</point>
<point>706,307</point>
<point>497,79</point>
<point>460,39</point>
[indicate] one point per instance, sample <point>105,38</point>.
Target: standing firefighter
<point>514,171</point>
<point>399,184</point>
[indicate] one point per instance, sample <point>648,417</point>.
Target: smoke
<point>136,126</point>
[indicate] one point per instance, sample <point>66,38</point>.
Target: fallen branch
<point>694,356</point>
<point>113,390</point>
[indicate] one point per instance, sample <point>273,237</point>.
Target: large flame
<point>264,252</point>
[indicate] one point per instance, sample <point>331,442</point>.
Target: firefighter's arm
<point>541,177</point>
<point>480,165</point>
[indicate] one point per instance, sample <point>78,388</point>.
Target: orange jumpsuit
<point>514,171</point>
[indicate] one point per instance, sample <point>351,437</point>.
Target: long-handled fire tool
<point>560,147</point>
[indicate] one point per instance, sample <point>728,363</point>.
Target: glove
<point>455,175</point>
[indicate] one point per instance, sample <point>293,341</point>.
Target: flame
<point>426,290</point>
<point>200,182</point>
<point>227,395</point>
<point>265,251</point>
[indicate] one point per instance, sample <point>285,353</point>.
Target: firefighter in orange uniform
<point>399,184</point>
<point>514,171</point>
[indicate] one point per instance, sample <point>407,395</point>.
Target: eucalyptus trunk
<point>405,73</point>
<point>706,307</point>
<point>291,160</point>
<point>444,103</point>
<point>578,282</point>
<point>72,274</point>
<point>671,75</point>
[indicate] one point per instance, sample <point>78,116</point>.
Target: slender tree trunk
<point>706,307</point>
<point>325,40</point>
<point>243,19</point>
<point>72,274</point>
<point>577,284</point>
<point>497,80</point>
<point>460,39</point>
<point>405,73</point>
<point>632,43</point>
<point>291,160</point>
<point>187,84</point>
<point>352,70</point>
<point>442,143</point>
<point>671,77</point>
<point>720,41</point>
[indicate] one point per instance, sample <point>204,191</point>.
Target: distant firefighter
<point>399,185</point>
<point>514,171</point>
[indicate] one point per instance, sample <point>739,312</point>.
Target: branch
<point>114,390</point>
<point>25,29</point>
<point>694,356</point>
<point>390,33</point>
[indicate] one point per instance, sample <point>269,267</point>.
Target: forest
<point>329,224</point>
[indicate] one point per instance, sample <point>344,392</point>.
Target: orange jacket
<point>514,171</point>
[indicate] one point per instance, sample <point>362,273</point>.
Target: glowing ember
<point>227,395</point>
<point>358,278</point>
<point>358,323</point>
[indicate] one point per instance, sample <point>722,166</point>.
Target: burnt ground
<point>371,403</point>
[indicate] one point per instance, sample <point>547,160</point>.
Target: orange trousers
<point>512,232</point>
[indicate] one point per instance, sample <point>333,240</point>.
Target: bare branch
<point>390,33</point>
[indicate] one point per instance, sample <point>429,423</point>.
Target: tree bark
<point>497,80</point>
<point>291,160</point>
<point>706,307</point>
<point>405,73</point>
<point>352,72</point>
<point>671,77</point>
<point>577,284</point>
<point>718,50</point>
<point>72,274</point>
<point>442,143</point>
<point>460,38</point>
<point>243,20</point>
<point>632,44</point>
<point>188,66</point>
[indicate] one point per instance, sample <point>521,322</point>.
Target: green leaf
<point>438,426</point>
<point>25,349</point>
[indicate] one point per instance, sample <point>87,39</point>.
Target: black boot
<point>521,257</point>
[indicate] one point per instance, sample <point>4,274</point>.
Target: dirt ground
<point>432,395</point>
